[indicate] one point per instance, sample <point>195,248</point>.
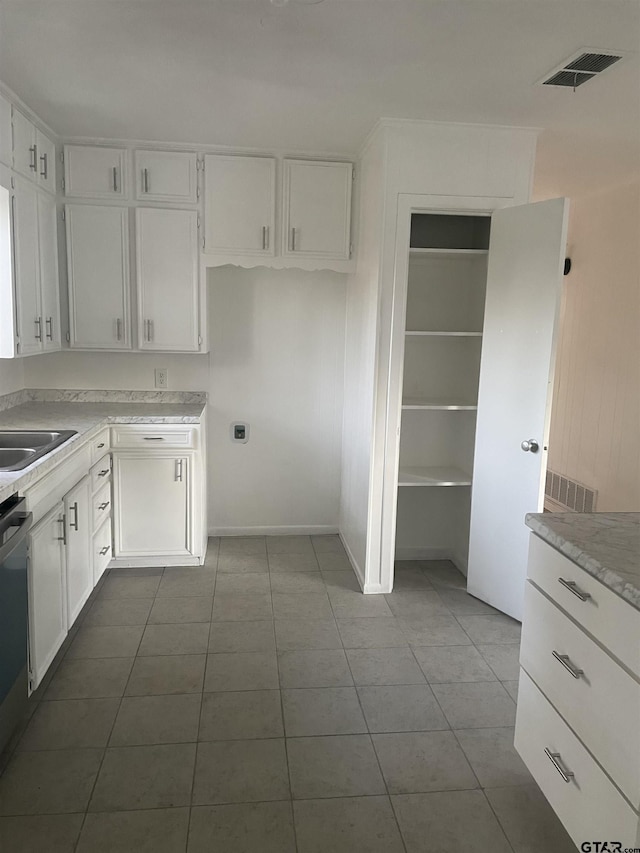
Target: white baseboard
<point>359,573</point>
<point>269,530</point>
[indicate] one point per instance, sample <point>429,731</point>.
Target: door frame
<point>380,577</point>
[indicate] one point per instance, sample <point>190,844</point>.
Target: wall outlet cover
<point>239,433</point>
<point>161,377</point>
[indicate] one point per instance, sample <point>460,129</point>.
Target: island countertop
<point>87,418</point>
<point>604,544</point>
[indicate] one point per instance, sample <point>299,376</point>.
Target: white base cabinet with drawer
<point>579,699</point>
<point>77,542</point>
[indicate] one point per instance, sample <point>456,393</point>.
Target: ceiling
<point>245,73</point>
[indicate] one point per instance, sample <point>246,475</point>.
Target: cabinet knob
<point>530,446</point>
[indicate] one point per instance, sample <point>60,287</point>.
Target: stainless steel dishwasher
<point>15,522</point>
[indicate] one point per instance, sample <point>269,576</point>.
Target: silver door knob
<point>530,446</point>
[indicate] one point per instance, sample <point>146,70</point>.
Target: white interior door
<point>526,257</point>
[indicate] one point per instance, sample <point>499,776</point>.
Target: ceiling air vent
<point>581,67</point>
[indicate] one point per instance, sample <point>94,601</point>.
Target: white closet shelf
<point>442,403</point>
<point>425,334</point>
<point>442,476</point>
<point>447,253</point>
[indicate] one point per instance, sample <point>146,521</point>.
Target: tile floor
<point>262,704</point>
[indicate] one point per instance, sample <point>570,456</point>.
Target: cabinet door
<point>25,154</point>
<point>91,171</point>
<point>6,151</point>
<point>166,176</point>
<point>526,258</point>
<point>98,276</point>
<point>47,595</point>
<point>27,272</point>
<point>317,208</point>
<point>49,285</point>
<point>167,263</point>
<point>46,151</point>
<point>152,505</point>
<point>240,204</point>
<point>78,510</point>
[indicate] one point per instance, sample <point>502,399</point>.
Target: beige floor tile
<point>380,633</point>
<point>343,766</point>
<point>314,668</point>
<point>512,689</point>
<point>293,562</point>
<point>419,604</point>
<point>241,771</point>
<point>243,545</point>
<point>442,664</point>
<point>297,582</point>
<point>355,605</point>
<point>184,582</point>
<point>241,671</point>
<point>242,828</point>
<point>311,605</point>
<point>307,634</point>
<point>244,583</point>
<point>245,715</point>
<point>106,642</point>
<point>504,660</point>
<point>401,708</point>
<point>145,831</point>
<point>52,782</point>
<point>461,603</point>
<point>175,610</point>
<point>491,629</point>
<point>384,666</point>
<point>347,825</point>
<point>443,573</point>
<point>238,563</point>
<point>493,757</point>
<point>70,724</point>
<point>449,822</point>
<point>416,762</point>
<point>479,705</point>
<point>144,777</point>
<point>327,543</point>
<point>189,638</point>
<point>435,630</point>
<point>343,580</point>
<point>119,586</point>
<point>118,611</point>
<point>528,820</point>
<point>40,833</point>
<point>234,607</point>
<point>409,575</point>
<point>330,561</point>
<point>93,678</point>
<point>322,711</point>
<point>242,637</point>
<point>289,545</point>
<point>166,674</point>
<point>157,719</point>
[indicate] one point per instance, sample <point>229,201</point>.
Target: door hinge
<point>63,184</point>
<point>62,156</point>
<point>197,192</point>
<point>203,242</point>
<point>63,215</point>
<point>353,173</point>
<point>199,340</point>
<point>198,220</point>
<point>68,337</point>
<point>350,250</point>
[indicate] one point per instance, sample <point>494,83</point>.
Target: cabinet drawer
<point>101,473</point>
<point>601,704</point>
<point>154,438</point>
<point>100,446</point>
<point>101,551</point>
<point>101,506</point>
<point>606,616</point>
<point>588,804</point>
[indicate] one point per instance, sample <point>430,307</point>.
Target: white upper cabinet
<point>240,204</point>
<point>49,283</point>
<point>167,266</point>
<point>317,209</point>
<point>6,152</point>
<point>34,154</point>
<point>98,276</point>
<point>46,151</point>
<point>166,176</point>
<point>27,272</point>
<point>92,171</point>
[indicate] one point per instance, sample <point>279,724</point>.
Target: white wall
<point>595,422</point>
<point>277,362</point>
<point>11,375</point>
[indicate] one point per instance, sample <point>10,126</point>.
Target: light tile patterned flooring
<point>262,704</point>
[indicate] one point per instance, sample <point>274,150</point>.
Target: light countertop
<point>604,544</point>
<point>87,418</point>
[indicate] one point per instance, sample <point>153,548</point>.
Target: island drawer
<point>586,801</point>
<point>99,445</point>
<point>153,437</point>
<point>101,473</point>
<point>593,693</point>
<point>610,619</point>
<point>101,505</point>
<point>101,551</point>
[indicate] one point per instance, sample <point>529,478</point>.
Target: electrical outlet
<point>162,377</point>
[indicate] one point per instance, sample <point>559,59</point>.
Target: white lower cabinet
<point>47,592</point>
<point>78,521</point>
<point>153,502</point>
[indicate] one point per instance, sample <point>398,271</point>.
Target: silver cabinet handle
<point>44,172</point>
<point>49,328</point>
<point>33,165</point>
<point>38,333</point>
<point>103,473</point>
<point>179,470</point>
<point>554,758</point>
<point>74,509</point>
<point>114,173</point>
<point>103,506</point>
<point>265,236</point>
<point>63,522</point>
<point>153,438</point>
<point>118,329</point>
<point>150,322</point>
<point>105,550</point>
<point>293,239</point>
<point>101,445</point>
<point>145,180</point>
<point>572,586</point>
<point>566,663</point>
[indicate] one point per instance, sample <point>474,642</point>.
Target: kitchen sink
<point>19,448</point>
